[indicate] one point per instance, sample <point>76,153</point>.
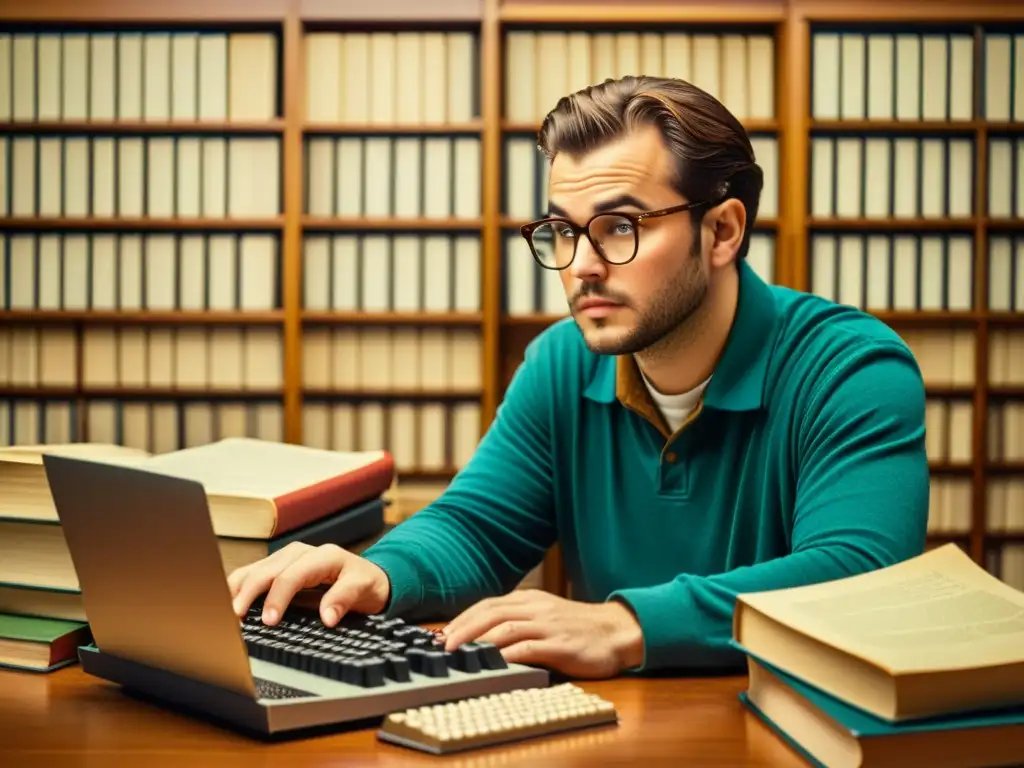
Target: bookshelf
<point>206,207</point>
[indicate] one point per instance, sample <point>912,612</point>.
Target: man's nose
<point>587,263</point>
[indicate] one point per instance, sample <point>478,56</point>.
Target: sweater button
<point>670,457</point>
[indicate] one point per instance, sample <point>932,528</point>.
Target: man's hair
<point>714,158</point>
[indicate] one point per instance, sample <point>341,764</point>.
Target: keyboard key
<point>397,668</point>
<point>490,655</point>
<point>435,664</point>
<point>465,658</point>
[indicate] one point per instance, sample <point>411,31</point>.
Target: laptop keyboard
<point>361,650</point>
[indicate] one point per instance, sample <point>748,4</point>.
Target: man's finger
<point>514,599</point>
<point>236,578</point>
<point>514,631</point>
<point>475,621</point>
<point>543,652</point>
<point>257,577</point>
<point>339,599</point>
<point>311,569</point>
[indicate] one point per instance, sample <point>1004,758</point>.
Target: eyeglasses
<point>614,236</point>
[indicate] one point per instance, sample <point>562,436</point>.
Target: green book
<point>829,732</point>
<point>39,644</point>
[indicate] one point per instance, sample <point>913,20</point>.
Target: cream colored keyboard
<point>496,719</point>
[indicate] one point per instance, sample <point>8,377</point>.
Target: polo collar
<point>737,383</point>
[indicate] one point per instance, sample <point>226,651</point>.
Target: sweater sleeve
<point>495,520</point>
<point>861,503</point>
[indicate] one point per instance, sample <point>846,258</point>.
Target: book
<point>260,489</point>
<point>35,556</point>
<point>39,644</point>
<point>933,635</point>
<point>256,489</point>
<point>829,732</point>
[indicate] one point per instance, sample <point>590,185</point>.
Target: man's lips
<point>597,307</point>
<point>597,303</point>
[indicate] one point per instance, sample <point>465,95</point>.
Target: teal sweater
<point>806,462</point>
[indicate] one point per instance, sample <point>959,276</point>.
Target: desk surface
<point>68,718</point>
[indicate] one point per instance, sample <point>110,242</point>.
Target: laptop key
<point>465,658</point>
<point>434,664</point>
<point>397,668</point>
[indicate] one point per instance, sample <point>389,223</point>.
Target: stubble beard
<point>671,316</point>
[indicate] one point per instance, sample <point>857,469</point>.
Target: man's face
<point>623,309</point>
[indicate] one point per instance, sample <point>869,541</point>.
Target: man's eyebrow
<point>622,201</point>
<point>556,210</point>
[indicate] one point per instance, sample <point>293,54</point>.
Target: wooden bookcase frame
<point>503,338</point>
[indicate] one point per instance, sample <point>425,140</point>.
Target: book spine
<point>314,502</point>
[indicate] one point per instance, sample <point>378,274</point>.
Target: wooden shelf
<point>125,127</point>
<point>441,129</point>
<point>630,14</point>
<point>458,319</point>
<point>907,12</point>
<point>928,318</point>
<point>390,12</point>
<point>118,12</point>
<point>139,393</point>
<point>142,224</point>
<point>1006,467</point>
<point>1013,225</point>
<point>1006,391</point>
<point>426,475</point>
<point>950,468</point>
<point>140,317</point>
<point>538,321</point>
<point>1007,128</point>
<point>948,538</point>
<point>752,126</point>
<point>998,538</point>
<point>895,126</point>
<point>1006,319</point>
<point>391,395</point>
<point>949,391</point>
<point>315,223</point>
<point>892,225</point>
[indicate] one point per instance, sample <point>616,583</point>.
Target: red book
<point>259,489</point>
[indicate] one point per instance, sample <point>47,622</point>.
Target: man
<point>691,433</point>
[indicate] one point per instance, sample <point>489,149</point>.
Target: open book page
<point>249,467</point>
<point>937,611</point>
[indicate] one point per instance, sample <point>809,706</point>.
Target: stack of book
<point>919,663</point>
<point>262,495</point>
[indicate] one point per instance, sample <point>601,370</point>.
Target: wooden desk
<point>70,719</point>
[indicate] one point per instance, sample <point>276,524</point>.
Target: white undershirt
<point>676,408</point>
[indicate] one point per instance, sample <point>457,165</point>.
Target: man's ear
<point>726,223</point>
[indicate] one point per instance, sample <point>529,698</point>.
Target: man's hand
<point>356,583</point>
<point>535,627</point>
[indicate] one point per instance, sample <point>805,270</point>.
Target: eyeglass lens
<point>614,236</point>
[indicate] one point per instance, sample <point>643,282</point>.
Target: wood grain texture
<point>766,11</point>
<point>491,99</point>
<point>980,426</point>
<point>70,719</point>
<point>938,11</point>
<point>391,10</point>
<point>291,240</point>
<point>155,11</point>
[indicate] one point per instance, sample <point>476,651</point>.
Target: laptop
<point>157,600</point>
